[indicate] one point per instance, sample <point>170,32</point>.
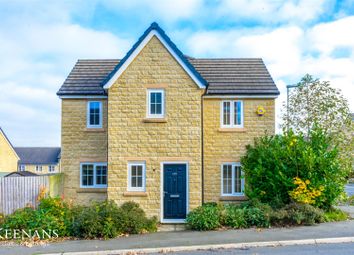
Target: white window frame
<point>234,165</point>
<point>149,115</point>
<point>88,115</point>
<point>39,168</point>
<point>232,114</point>
<point>130,188</point>
<point>22,167</point>
<point>51,168</point>
<point>94,175</point>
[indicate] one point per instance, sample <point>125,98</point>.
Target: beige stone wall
<point>131,138</point>
<point>45,169</point>
<point>80,144</point>
<point>8,158</point>
<point>228,145</point>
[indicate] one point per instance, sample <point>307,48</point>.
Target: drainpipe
<point>202,141</point>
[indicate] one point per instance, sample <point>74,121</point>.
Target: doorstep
<point>171,227</point>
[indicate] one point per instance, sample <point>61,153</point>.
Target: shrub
<point>20,219</point>
<point>272,163</point>
<point>334,214</point>
<point>99,220</point>
<point>205,217</point>
<point>256,217</point>
<point>235,217</point>
<point>296,214</point>
<point>132,219</point>
<point>86,222</point>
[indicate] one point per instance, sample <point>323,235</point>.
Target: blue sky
<point>41,40</point>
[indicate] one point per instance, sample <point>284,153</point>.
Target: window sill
<point>232,130</point>
<point>94,129</point>
<point>154,120</point>
<point>135,194</point>
<point>91,190</point>
<point>233,198</point>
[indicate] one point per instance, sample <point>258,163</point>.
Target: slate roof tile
<point>225,76</point>
<point>38,155</point>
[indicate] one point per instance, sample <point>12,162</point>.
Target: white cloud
<point>167,10</point>
<point>270,11</point>
<point>37,59</point>
<point>289,52</point>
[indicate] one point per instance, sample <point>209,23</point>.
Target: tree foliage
<point>273,162</point>
<point>315,103</point>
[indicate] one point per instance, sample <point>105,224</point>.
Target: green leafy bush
<point>132,220</point>
<point>206,217</point>
<point>107,220</point>
<point>235,217</point>
<point>334,214</point>
<point>256,217</point>
<point>272,163</point>
<point>99,220</point>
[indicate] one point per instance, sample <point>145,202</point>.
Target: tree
<point>314,103</point>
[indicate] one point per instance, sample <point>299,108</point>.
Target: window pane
<point>237,113</point>
<point>101,175</point>
<point>87,175</point>
<point>226,113</point>
<point>133,171</point>
<point>153,97</point>
<point>140,182</point>
<point>158,97</point>
<point>238,179</point>
<point>139,171</point>
<point>158,109</point>
<point>227,179</point>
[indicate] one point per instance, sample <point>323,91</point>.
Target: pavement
<point>349,189</point>
<point>186,240</point>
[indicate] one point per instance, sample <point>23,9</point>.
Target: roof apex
<point>154,29</point>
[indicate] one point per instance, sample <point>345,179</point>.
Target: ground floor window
<point>39,168</point>
<point>93,175</point>
<point>22,168</point>
<point>232,179</point>
<point>136,176</point>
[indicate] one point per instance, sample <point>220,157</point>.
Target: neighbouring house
<point>21,174</point>
<point>8,155</point>
<point>161,128</point>
<point>39,160</point>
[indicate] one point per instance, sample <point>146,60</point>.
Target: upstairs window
<point>232,180</point>
<point>232,114</point>
<point>93,175</point>
<point>156,103</point>
<point>94,114</point>
<point>51,168</point>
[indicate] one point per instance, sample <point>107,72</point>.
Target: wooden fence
<point>19,192</point>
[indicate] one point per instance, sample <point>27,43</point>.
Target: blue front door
<point>174,191</point>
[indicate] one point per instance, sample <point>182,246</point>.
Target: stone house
<point>161,128</point>
<point>39,160</point>
<point>8,155</point>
